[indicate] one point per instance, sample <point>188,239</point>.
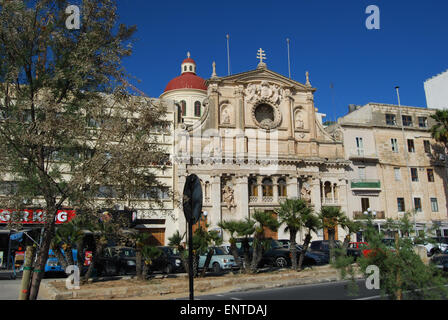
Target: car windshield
<point>127,253</point>
<point>276,244</point>
<point>220,251</point>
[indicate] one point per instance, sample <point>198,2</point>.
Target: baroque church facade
<point>254,139</point>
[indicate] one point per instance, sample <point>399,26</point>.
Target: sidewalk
<point>175,286</point>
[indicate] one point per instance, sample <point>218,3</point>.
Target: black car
<point>440,261</point>
<point>168,262</point>
<point>277,255</point>
<point>116,261</point>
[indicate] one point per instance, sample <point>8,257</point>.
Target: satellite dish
<point>192,199</point>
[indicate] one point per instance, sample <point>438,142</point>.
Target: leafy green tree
<point>291,214</point>
<point>245,229</point>
<point>71,127</point>
<point>263,220</point>
<point>352,227</point>
<point>402,273</point>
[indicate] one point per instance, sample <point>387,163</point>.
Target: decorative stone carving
<point>266,116</point>
<point>226,114</point>
<point>299,121</point>
<point>264,91</point>
<point>228,197</point>
<point>305,192</point>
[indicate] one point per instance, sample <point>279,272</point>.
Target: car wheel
<point>216,267</point>
<point>281,262</point>
<point>168,269</point>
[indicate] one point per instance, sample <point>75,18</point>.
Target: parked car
<point>357,249</point>
<point>168,262</point>
<point>279,256</point>
<point>438,245</point>
<point>220,260</point>
<point>284,242</point>
<point>440,261</point>
<point>117,261</point>
<point>323,247</point>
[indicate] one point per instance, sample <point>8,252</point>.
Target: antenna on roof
<point>289,61</point>
<point>228,55</point>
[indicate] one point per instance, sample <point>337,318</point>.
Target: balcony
<point>330,202</point>
<point>359,215</point>
<point>362,155</point>
<point>366,184</point>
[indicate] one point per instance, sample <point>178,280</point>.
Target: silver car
<point>220,260</point>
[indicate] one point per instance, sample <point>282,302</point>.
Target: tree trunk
<point>42,257</point>
<point>138,264</point>
<point>207,261</point>
<point>98,252</point>
<point>80,254</point>
<point>293,248</point>
<point>23,295</point>
<point>257,255</point>
<point>69,255</point>
<point>306,243</point>
<point>331,244</point>
<point>246,249</point>
<point>234,252</point>
<point>61,259</point>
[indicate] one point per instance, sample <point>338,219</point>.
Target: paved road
<point>324,291</point>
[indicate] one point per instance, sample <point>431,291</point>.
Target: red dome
<point>189,60</point>
<point>187,80</point>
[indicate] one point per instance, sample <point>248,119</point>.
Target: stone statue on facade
<point>228,196</point>
<point>305,193</point>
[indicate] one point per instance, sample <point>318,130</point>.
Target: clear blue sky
<point>328,38</point>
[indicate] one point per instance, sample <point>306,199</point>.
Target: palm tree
<point>439,131</point>
<point>352,227</point>
<point>67,236</point>
<point>176,240</point>
<point>311,223</point>
<point>149,254</point>
<point>213,239</point>
<point>263,220</point>
<point>232,226</point>
<point>138,240</point>
<point>290,214</point>
<point>331,217</point>
<point>245,229</point>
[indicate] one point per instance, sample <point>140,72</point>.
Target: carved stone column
<point>239,93</point>
<point>259,188</point>
<point>291,187</point>
<point>315,194</point>
<point>241,197</point>
<point>275,189</point>
<point>214,216</point>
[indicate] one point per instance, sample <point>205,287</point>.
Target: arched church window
<point>197,109</point>
<point>183,105</point>
<point>267,187</point>
<point>185,68</point>
<point>281,187</point>
<point>191,68</point>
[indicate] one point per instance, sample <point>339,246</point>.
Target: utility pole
<point>228,55</point>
